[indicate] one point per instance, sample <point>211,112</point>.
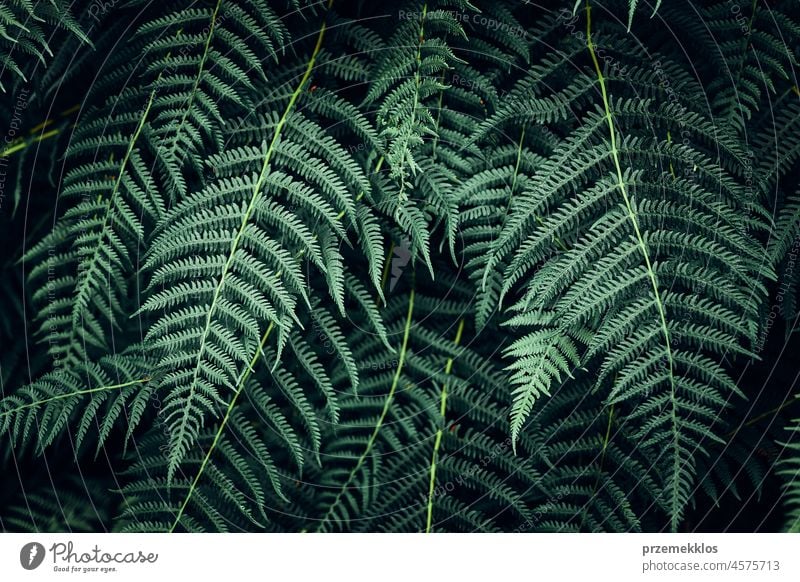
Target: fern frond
<point>91,398</point>
<point>607,296</point>
<point>273,205</point>
<point>65,504</point>
<point>25,32</point>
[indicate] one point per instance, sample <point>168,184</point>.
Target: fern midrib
<point>245,220</point>
<point>389,398</point>
<point>745,43</point>
<point>417,83</point>
<point>514,178</point>
<point>439,107</point>
<point>107,388</point>
<point>240,387</point>
<point>507,209</point>
<point>676,466</point>
<point>82,289</point>
<point>606,441</point>
<point>437,443</point>
<point>21,143</point>
<point>198,78</point>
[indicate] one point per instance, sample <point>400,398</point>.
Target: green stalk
<point>262,176</point>
<point>389,398</point>
<point>418,82</point>
<point>645,254</point>
<point>254,360</point>
<point>606,440</point>
<point>221,429</point>
<point>198,77</point>
<point>76,393</point>
<point>438,441</point>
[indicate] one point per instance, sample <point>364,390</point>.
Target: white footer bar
<point>412,557</point>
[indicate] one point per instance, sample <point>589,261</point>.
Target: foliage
<point>449,266</point>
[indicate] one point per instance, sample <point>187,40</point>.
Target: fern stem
<point>417,83</point>
<point>241,384</point>
<point>83,287</point>
<point>511,191</point>
<point>514,178</point>
<point>76,393</point>
<point>438,441</point>
<point>22,143</point>
<point>745,43</point>
<point>389,398</point>
<point>239,387</point>
<point>764,415</point>
<point>437,124</point>
<point>254,360</point>
<point>606,440</point>
<point>676,467</point>
<point>387,266</point>
<point>198,77</point>
<point>242,227</point>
